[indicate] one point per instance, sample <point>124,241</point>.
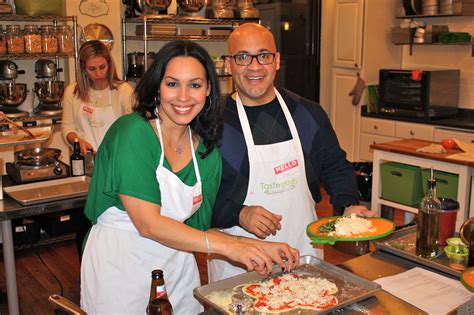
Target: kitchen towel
<point>467,155</point>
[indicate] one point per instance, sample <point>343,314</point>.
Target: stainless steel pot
<point>12,94</point>
<point>37,156</point>
<point>191,6</point>
<point>158,5</point>
<point>49,91</point>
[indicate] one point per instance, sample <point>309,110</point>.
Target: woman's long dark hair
<point>208,123</point>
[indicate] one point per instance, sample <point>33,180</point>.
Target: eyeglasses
<point>247,59</point>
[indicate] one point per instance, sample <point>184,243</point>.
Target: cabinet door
<point>348,22</point>
<point>377,126</point>
<point>344,116</point>
<point>440,134</point>
<point>417,131</point>
<point>366,140</point>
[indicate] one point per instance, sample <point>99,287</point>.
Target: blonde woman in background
<point>97,99</point>
<point>91,105</point>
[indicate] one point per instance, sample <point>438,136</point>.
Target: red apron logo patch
<point>197,199</point>
<point>87,109</point>
<point>285,167</point>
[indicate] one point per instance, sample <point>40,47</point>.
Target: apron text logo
<point>197,199</point>
<point>279,187</point>
<point>88,109</point>
<point>285,167</point>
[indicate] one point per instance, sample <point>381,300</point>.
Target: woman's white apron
<point>95,121</point>
<point>277,181</point>
<point>117,261</point>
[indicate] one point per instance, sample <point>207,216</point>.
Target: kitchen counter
<point>10,209</point>
<point>463,120</point>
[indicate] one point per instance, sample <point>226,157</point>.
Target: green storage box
<point>401,183</point>
<point>39,7</point>
<point>446,183</point>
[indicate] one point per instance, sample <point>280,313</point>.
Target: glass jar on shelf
<point>15,42</point>
<point>3,41</point>
<point>65,39</point>
<point>32,39</point>
<point>49,39</point>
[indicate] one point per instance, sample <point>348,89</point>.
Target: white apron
<point>277,181</point>
<point>117,261</point>
<point>95,121</point>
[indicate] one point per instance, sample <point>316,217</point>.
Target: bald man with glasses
<point>277,149</point>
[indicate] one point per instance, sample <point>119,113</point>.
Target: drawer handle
<point>375,127</point>
<point>396,173</point>
<point>412,133</point>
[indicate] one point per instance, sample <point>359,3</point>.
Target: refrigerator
<point>297,28</point>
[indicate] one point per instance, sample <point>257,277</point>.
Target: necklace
<point>179,147</point>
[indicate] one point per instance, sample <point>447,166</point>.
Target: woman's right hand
<point>252,256</point>
<point>85,146</point>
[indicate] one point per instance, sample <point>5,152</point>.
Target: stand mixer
<point>11,94</point>
<point>48,89</point>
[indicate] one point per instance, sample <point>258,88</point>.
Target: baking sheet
<point>402,243</point>
<point>11,138</point>
<point>352,288</point>
<point>50,190</point>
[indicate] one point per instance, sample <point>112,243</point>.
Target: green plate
<point>468,272</point>
<point>383,227</point>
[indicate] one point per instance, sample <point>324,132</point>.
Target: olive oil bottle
<point>427,231</point>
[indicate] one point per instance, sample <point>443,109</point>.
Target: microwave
<point>423,94</point>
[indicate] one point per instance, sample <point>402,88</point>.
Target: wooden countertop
<point>409,146</point>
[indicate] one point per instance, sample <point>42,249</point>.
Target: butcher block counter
<point>404,151</point>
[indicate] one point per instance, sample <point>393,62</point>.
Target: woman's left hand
<point>287,257</point>
<point>359,210</point>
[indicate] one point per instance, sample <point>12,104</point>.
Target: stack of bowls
<point>446,6</point>
<point>430,7</point>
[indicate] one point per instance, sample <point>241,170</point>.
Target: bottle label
<point>77,167</point>
<point>160,290</point>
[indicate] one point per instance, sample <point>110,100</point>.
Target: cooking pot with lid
<point>37,156</point>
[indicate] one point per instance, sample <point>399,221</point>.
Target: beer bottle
<point>77,160</point>
<point>158,303</point>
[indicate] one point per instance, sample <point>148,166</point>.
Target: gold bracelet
<point>207,244</point>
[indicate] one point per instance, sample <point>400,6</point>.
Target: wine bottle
<point>159,303</point>
<point>77,160</point>
<point>428,223</point>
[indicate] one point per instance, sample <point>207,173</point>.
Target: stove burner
<point>21,173</point>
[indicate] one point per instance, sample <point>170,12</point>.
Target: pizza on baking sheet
<point>290,291</point>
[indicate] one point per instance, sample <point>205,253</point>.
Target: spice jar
<point>32,39</point>
<point>65,39</point>
<point>3,41</point>
<point>49,39</point>
<point>15,43</point>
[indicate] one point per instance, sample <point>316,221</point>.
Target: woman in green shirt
<point>157,169</point>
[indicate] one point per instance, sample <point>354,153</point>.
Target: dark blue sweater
<point>325,161</point>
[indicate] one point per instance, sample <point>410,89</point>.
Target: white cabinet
<point>374,131</point>
<point>377,127</point>
<point>344,116</point>
<point>361,45</point>
<point>441,133</point>
<point>405,130</point>
<point>348,25</point>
